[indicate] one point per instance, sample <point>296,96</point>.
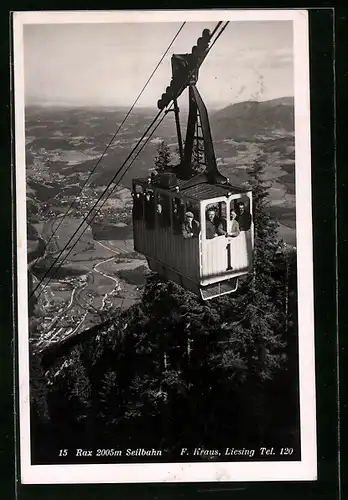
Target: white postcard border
<point>306,469</point>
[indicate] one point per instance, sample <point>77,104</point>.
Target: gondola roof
<point>196,190</point>
<point>209,191</point>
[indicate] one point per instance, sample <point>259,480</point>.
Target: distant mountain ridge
<point>247,119</point>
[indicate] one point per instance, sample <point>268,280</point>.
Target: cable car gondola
<point>194,230</point>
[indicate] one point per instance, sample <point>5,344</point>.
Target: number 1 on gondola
<point>228,249</point>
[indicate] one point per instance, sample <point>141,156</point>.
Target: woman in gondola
<point>222,227</point>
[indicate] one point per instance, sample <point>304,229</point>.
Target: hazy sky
<point>108,64</point>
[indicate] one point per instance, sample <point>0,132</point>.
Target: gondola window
<point>149,209</point>
<point>178,214</point>
<point>138,202</point>
<point>162,211</point>
<point>216,220</point>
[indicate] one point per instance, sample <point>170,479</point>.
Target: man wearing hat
<point>190,228</point>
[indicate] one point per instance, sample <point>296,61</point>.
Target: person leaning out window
<point>222,228</point>
<point>190,228</point>
<point>212,224</point>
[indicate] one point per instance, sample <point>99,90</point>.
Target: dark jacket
<point>190,231</point>
<point>244,221</point>
<point>211,228</point>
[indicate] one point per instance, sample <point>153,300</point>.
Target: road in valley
<point>86,299</point>
<point>81,301</point>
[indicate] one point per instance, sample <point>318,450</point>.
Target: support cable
<point>101,206</point>
<point>112,181</point>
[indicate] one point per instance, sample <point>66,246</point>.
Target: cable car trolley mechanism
<point>195,230</point>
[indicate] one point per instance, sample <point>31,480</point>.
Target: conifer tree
<point>163,158</point>
<point>262,318</point>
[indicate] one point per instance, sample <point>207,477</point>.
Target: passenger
<point>243,218</point>
<point>211,224</point>
<point>149,211</point>
<point>234,224</point>
<point>178,215</point>
<point>137,206</point>
<point>148,198</point>
<point>222,227</point>
<point>190,228</point>
<point>161,216</point>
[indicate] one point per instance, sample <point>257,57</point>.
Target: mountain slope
<point>248,119</point>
